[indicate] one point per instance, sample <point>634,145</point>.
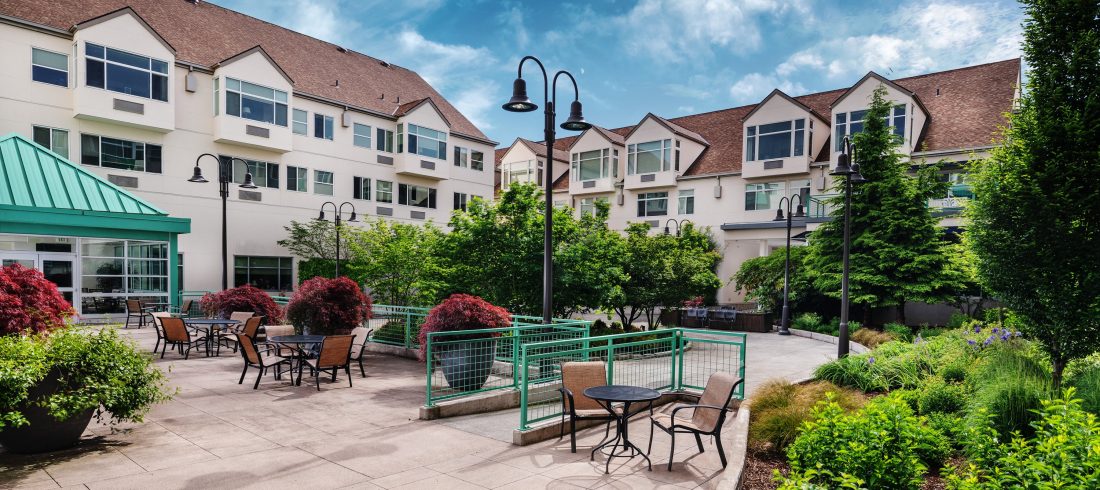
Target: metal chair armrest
<point>694,407</point>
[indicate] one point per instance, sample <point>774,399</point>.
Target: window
<point>53,139</point>
<point>426,142</point>
<point>653,204</point>
<point>588,205</point>
<point>521,172</point>
<point>322,182</point>
<point>383,140</point>
<point>461,200</point>
<point>762,196</point>
<point>802,188</point>
<point>615,164</point>
<point>116,153</point>
<point>115,270</point>
<point>850,123</point>
<point>264,174</point>
<point>127,73</point>
<point>301,122</point>
<point>49,67</point>
<point>267,273</point>
<point>255,102</point>
<point>462,157</point>
<point>361,189</point>
<point>647,158</point>
<point>687,201</point>
<point>477,160</point>
<point>775,140</point>
<point>416,195</point>
<point>296,179</point>
<point>322,126</point>
<point>384,191</point>
<point>361,135</point>
<point>591,165</point>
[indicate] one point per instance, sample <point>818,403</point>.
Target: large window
<point>416,195</point>
<point>462,157</point>
<point>301,122</point>
<point>255,102</point>
<point>49,67</point>
<point>322,182</point>
<point>591,165</point>
<point>267,273</point>
<point>361,189</point>
<point>461,199</point>
<point>322,126</point>
<point>384,191</point>
<point>588,205</point>
<point>113,271</point>
<point>647,158</point>
<point>53,139</point>
<point>653,204</point>
<point>115,153</point>
<point>775,140</point>
<point>427,142</point>
<point>477,160</point>
<point>686,204</point>
<point>361,135</point>
<point>127,73</point>
<point>850,123</point>
<point>296,178</point>
<point>383,140</point>
<point>264,174</point>
<point>521,172</point>
<point>763,196</point>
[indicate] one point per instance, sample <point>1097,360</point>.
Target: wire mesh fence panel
<point>647,361</point>
<point>397,325</point>
<point>707,352</point>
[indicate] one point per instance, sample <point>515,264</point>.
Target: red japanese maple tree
<point>242,298</point>
<point>29,303</point>
<point>463,312</point>
<point>329,306</point>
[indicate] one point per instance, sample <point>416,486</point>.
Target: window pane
<point>89,149</point>
<point>280,114</point>
<point>42,136</point>
<point>775,146</point>
<point>159,66</point>
<point>160,88</point>
<point>257,109</point>
<point>774,127</point>
<point>50,76</point>
<point>127,80</point>
<point>253,89</point>
<point>125,58</point>
<point>93,50</point>
<point>94,74</point>
<point>50,60</point>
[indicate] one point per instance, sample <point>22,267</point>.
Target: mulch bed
<point>761,463</point>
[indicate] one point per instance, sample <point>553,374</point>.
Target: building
<point>729,169</point>
<point>134,91</point>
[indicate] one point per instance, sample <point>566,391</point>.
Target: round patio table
<point>297,343</point>
<point>606,396</point>
<point>210,326</point>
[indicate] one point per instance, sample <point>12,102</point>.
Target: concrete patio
<point>218,434</point>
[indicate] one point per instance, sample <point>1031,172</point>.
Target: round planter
<point>44,433</point>
<point>467,366</point>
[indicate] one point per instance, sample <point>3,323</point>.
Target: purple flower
<point>971,342</point>
<point>870,361</point>
<point>988,340</point>
<point>977,329</point>
<point>1017,334</point>
<point>995,330</point>
<point>918,340</point>
<point>1005,337</point>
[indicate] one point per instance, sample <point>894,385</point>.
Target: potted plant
<point>325,306</point>
<point>54,378</point>
<point>466,359</point>
<point>242,298</point>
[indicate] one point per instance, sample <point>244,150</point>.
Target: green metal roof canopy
<point>40,192</point>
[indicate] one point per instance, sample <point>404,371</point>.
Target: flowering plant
<point>463,312</point>
<point>242,298</point>
<point>29,303</point>
<point>695,302</point>
<point>329,306</point>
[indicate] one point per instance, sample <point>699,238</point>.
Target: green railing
<point>458,365</point>
<point>397,325</point>
<point>671,360</point>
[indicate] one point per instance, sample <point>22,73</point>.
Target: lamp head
<point>197,177</point>
<point>667,231</point>
<point>519,101</point>
<point>321,217</point>
<point>352,218</point>
<point>799,212</point>
<point>779,215</point>
<point>576,121</point>
<point>857,178</point>
<point>842,166</point>
<point>248,181</point>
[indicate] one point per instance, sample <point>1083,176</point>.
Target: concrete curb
<point>730,479</point>
<point>852,346</point>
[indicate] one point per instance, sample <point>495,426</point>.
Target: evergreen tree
<point>1036,216</point>
<point>897,250</point>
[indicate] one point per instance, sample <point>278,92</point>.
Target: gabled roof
<point>613,138</point>
<point>539,149</point>
<point>884,81</point>
<point>99,19</point>
<point>411,106</point>
<point>675,128</point>
<point>790,99</point>
<point>255,49</point>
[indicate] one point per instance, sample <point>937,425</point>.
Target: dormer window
<point>650,157</point>
<point>521,172</point>
<point>776,140</point>
<point>255,102</point>
<point>427,142</point>
<point>126,73</point>
<point>591,165</point>
<point>850,123</point>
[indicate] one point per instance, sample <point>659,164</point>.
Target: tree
<point>896,249</point>
<point>1036,213</point>
<point>397,263</point>
<point>589,269</point>
<point>314,243</point>
<point>761,278</point>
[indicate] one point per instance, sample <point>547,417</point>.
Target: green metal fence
<point>465,363</point>
<point>673,359</point>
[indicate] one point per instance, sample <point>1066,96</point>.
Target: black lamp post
<point>521,103</point>
<point>785,322</point>
<point>678,224</point>
<point>339,212</point>
<point>850,174</point>
<point>225,176</point>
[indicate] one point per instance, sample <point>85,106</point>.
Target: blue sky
<point>669,57</point>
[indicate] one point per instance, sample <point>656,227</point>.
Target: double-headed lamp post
<point>679,223</point>
<point>850,173</point>
<point>225,176</point>
<point>339,211</point>
<point>785,322</point>
<point>521,103</point>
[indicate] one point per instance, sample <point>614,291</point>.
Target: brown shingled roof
<point>204,34</point>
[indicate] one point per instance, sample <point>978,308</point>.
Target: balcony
<point>420,166</point>
<point>253,134</point>
<point>957,197</point>
<point>652,180</point>
<point>593,186</point>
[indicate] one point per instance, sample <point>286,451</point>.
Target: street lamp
<point>339,212</point>
<point>575,122</point>
<point>678,223</point>
<point>851,175</point>
<point>785,322</point>
<point>225,176</point>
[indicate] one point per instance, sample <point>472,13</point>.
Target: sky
<point>669,57</point>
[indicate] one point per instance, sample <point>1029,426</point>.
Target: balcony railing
<point>957,195</point>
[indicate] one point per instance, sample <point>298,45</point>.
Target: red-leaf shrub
<point>242,298</point>
<point>329,306</point>
<point>463,312</point>
<point>29,303</point>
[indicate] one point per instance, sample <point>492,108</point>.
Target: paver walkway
<point>218,434</point>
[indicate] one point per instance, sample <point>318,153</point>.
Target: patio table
<point>297,343</point>
<point>210,326</point>
<point>607,396</point>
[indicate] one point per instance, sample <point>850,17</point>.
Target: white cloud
<point>686,109</point>
<point>513,19</point>
<point>456,70</point>
<point>755,86</point>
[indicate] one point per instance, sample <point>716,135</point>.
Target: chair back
<point>157,316</point>
<point>241,316</point>
<point>248,349</point>
<point>278,330</point>
<point>362,335</point>
<point>719,391</point>
<point>175,330</point>
<point>251,326</point>
<point>186,308</point>
<point>579,376</point>
<point>133,306</point>
<point>335,351</point>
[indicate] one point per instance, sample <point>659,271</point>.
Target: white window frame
<point>326,126</point>
<point>796,134</point>
<point>300,178</point>
<point>461,200</point>
<point>277,99</point>
<point>260,179</point>
<point>360,139</point>
<point>150,71</point>
<point>361,187</point>
<point>774,191</point>
<point>54,133</point>
<point>417,134</point>
<point>384,140</point>
<point>144,151</point>
<point>685,201</point>
<point>300,126</point>
<point>323,179</point>
<point>407,191</point>
<point>51,68</point>
<point>477,160</point>
<point>529,169</point>
<point>601,158</point>
<point>645,198</point>
<point>462,157</point>
<point>843,122</point>
<point>664,156</point>
<point>383,191</point>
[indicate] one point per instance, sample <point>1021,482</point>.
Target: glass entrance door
<point>59,269</point>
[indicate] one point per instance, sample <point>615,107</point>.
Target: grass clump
<point>1008,383</point>
<point>871,338</point>
<point>779,408</point>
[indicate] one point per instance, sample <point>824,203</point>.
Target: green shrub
<point>911,397</point>
<point>1009,383</point>
<point>853,371</point>
<point>1087,383</point>
<point>895,365</point>
<point>954,372</point>
<point>951,425</point>
<point>884,444</point>
<point>957,320</point>
<point>779,408</point>
<point>938,396</point>
<point>900,331</point>
<point>807,321</point>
